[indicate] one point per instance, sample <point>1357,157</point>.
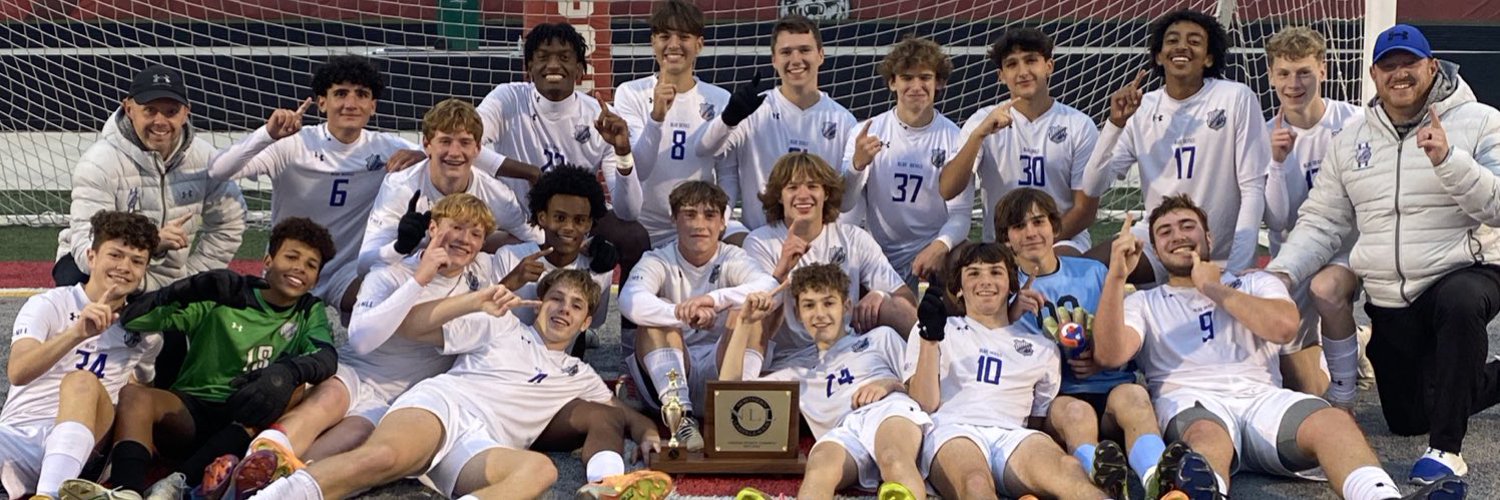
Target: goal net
<point>67,62</point>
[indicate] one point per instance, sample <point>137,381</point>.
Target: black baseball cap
<point>158,82</point>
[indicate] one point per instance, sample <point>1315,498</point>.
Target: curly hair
<point>916,53</point>
<point>676,15</point>
<point>1015,207</point>
<point>806,165</point>
<point>567,180</point>
<point>826,277</point>
<point>988,253</point>
<point>133,230</point>
<point>1218,41</point>
<point>452,116</point>
<point>306,231</point>
<point>562,32</point>
<point>576,278</point>
<point>1020,40</point>
<point>1295,43</point>
<point>350,69</point>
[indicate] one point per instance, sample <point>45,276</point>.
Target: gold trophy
<point>671,414</point>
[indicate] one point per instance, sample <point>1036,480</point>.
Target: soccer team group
<point>466,270</point>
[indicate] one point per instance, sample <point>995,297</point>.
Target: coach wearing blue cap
<point>1419,178</point>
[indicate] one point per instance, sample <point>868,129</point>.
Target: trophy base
<point>680,461</point>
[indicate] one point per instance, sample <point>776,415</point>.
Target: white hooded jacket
<point>1416,222</point>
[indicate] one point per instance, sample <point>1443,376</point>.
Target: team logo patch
<point>713,276</point>
<point>939,158</point>
<point>581,134</point>
<point>473,281</point>
<point>708,111</point>
<point>1237,283</point>
<point>1023,347</point>
<point>863,344</point>
<point>830,130</point>
<point>1216,119</point>
<point>839,256</point>
<point>374,162</point>
<point>1057,134</point>
<point>288,330</point>
<point>571,370</point>
<point>1362,155</point>
<point>132,339</point>
<point>133,200</point>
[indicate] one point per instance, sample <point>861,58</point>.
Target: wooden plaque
<point>752,420</point>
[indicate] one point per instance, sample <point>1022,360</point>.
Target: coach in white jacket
<point>148,161</point>
<point>1419,178</point>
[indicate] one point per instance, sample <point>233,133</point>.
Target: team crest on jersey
<point>571,370</point>
<point>830,130</point>
<point>1216,119</point>
<point>1362,155</point>
<point>473,281</point>
<point>1057,134</point>
<point>581,134</point>
<point>708,111</point>
<point>133,200</point>
<point>1023,347</point>
<point>863,344</point>
<point>288,330</point>
<point>713,276</point>
<point>839,256</point>
<point>374,162</point>
<point>132,339</point>
<point>939,157</point>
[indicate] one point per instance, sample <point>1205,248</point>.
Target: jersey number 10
<point>989,369</point>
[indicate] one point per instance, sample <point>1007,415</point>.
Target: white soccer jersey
<point>395,196</point>
<point>1187,342</point>
<point>521,124</point>
<point>827,390</point>
<point>1050,154</point>
<point>899,187</point>
<point>518,384</point>
<point>666,153</point>
<point>113,356</point>
<point>1285,195</point>
<point>385,298</point>
<point>510,256</point>
<point>316,176</point>
<point>991,378</point>
<point>663,279</point>
<point>773,130</point>
<point>1212,146</point>
<point>850,247</point>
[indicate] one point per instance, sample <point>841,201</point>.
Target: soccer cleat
<point>1162,479</point>
<point>750,493</point>
<point>688,435</point>
<point>894,491</point>
<point>257,470</point>
<point>1437,464</point>
<point>83,489</point>
<point>1447,488</point>
<point>216,477</point>
<point>41,497</point>
<point>172,487</point>
<point>638,485</point>
<point>1195,477</point>
<point>1111,471</point>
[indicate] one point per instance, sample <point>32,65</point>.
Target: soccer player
<point>1030,141</point>
<point>680,295</point>
<point>468,429</point>
<point>565,204</point>
<point>867,429</point>
<point>795,117</point>
<point>1092,400</point>
<point>252,343</point>
<point>399,220</point>
<point>149,160</point>
<point>983,443</point>
<point>896,153</point>
<point>329,173</point>
<point>69,357</point>
<point>802,200</point>
<point>666,112</point>
<point>1300,135</point>
<point>376,366</point>
<point>1196,115</point>
<point>545,123</point>
<point>1208,341</point>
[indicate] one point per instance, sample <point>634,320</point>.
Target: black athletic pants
<point>1430,357</point>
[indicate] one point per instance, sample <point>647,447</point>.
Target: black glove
<point>603,257</point>
<point>745,100</point>
<point>225,287</point>
<point>932,315</point>
<point>261,396</point>
<point>413,226</point>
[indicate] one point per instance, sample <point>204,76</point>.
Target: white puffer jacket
<point>1416,221</point>
<point>117,173</point>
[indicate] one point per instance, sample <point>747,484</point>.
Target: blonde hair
<point>1295,43</point>
<point>464,208</point>
<point>576,278</point>
<point>788,167</point>
<point>452,116</point>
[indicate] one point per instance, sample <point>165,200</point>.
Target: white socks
<point>67,448</point>
<point>1369,483</point>
<point>1343,368</point>
<point>661,361</point>
<point>273,435</point>
<point>298,486</point>
<point>604,464</point>
<point>753,361</point>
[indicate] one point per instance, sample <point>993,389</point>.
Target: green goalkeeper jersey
<point>225,341</point>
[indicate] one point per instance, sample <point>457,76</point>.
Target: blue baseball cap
<point>1402,37</point>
